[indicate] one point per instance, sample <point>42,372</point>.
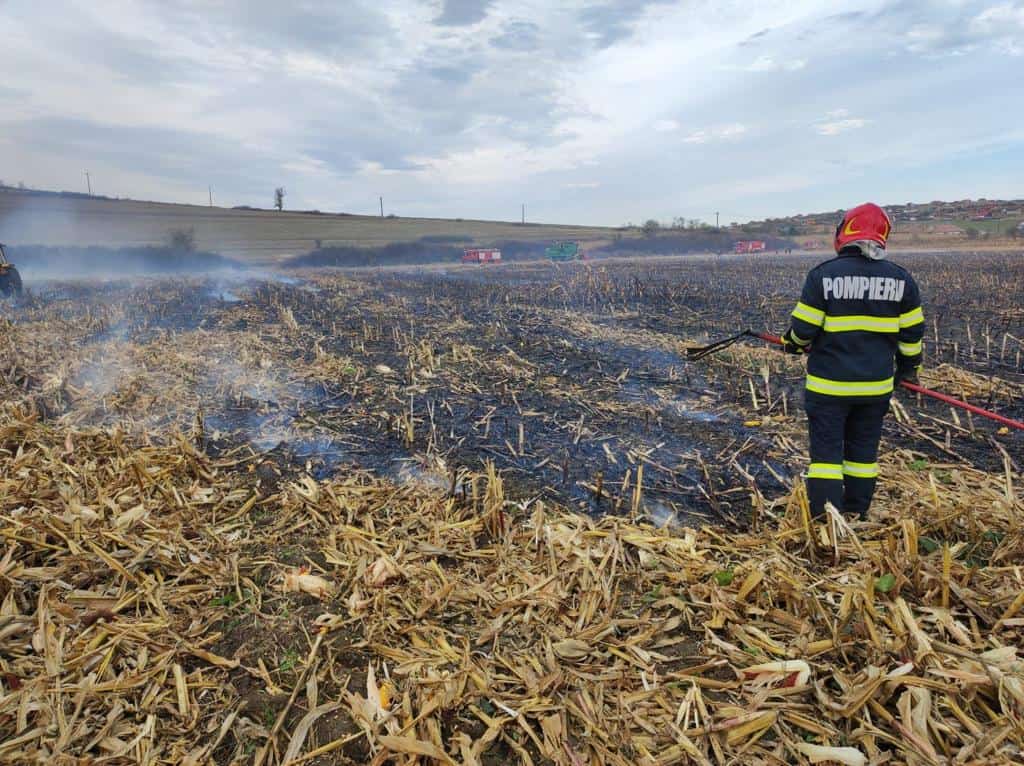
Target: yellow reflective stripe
<point>809,314</point>
<point>870,324</point>
<point>860,470</point>
<point>912,317</point>
<point>825,471</point>
<point>797,339</point>
<point>845,388</point>
<point>911,349</point>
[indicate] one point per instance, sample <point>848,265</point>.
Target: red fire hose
<point>926,391</point>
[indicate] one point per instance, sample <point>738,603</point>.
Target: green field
<point>257,236</point>
<point>993,228</point>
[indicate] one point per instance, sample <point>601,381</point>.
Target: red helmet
<point>864,223</point>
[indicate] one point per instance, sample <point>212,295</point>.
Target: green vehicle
<point>565,251</point>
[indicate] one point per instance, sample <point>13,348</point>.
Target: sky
<point>586,111</point>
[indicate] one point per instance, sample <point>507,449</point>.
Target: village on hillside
<point>987,218</point>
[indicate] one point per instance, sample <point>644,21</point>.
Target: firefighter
<point>859,320</point>
<point>10,279</point>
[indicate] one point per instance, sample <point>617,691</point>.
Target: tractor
<point>564,250</point>
<point>10,279</point>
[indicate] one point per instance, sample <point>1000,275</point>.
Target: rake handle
<point>926,391</point>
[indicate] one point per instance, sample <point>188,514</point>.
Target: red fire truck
<point>749,246</point>
<point>481,255</point>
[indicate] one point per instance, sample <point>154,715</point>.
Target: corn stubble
<point>543,635</point>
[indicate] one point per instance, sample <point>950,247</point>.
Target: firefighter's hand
<point>907,374</point>
<point>791,347</point>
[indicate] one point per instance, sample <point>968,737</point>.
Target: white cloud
<point>1001,18</point>
<point>718,133</point>
<point>583,185</point>
<point>732,131</point>
<point>839,121</point>
<point>666,126</point>
<point>770,64</point>
<point>305,165</point>
<point>1004,24</point>
<point>962,28</point>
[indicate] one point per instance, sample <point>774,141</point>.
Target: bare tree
<point>279,198</point>
<point>650,227</point>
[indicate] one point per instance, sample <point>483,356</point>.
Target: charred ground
<point>569,378</point>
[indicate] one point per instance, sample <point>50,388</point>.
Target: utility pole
<point>524,213</point>
<point>716,219</point>
<point>211,195</point>
<point>381,207</point>
<point>88,182</point>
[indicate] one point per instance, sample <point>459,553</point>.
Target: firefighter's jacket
<point>858,316</point>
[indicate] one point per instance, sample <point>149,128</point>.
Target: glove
<point>790,346</point>
<point>908,374</point>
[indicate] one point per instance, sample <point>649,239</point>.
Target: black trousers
<point>844,438</point>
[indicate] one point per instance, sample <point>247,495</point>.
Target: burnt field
<point>486,515</point>
<point>572,380</point>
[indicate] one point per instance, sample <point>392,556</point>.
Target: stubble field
<point>492,514</point>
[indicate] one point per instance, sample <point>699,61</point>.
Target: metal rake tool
<point>699,352</point>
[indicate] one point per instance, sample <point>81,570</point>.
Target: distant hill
<point>927,221</point>
<point>263,237</point>
<point>61,219</point>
